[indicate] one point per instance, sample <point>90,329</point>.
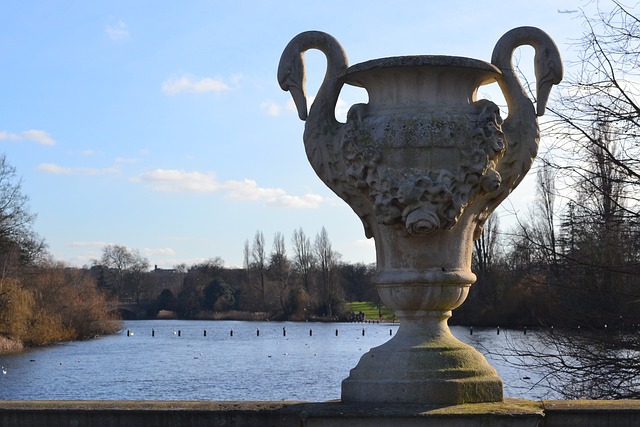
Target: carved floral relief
<point>421,170</point>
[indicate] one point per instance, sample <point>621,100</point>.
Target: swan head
<point>291,77</point>
<point>548,70</point>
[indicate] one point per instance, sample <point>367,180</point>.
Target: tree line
<point>310,283</point>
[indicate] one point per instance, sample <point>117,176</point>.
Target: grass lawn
<point>370,310</point>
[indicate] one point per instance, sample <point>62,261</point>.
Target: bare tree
<point>486,290</point>
<point>486,246</point>
<point>15,216</point>
<point>598,110</point>
<point>246,263</point>
<point>280,271</point>
<point>327,261</point>
<point>19,244</point>
<point>539,227</point>
<point>124,270</point>
<point>303,256</point>
<point>592,271</point>
<point>259,265</point>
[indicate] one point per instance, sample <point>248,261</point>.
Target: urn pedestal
<point>423,164</point>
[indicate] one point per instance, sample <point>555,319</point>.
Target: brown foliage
<point>53,303</point>
<point>16,308</point>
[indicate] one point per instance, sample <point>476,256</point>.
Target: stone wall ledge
<point>511,412</point>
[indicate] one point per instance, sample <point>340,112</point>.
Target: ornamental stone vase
<point>423,164</point>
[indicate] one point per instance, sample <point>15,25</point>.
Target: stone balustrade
<point>511,412</point>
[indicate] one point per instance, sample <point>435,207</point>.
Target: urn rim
<point>424,61</point>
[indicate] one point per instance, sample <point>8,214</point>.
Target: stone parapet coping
<point>511,412</point>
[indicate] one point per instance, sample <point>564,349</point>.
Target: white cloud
<point>342,108</point>
<point>190,84</point>
<point>291,106</point>
<point>38,136</point>
<point>271,108</point>
<point>155,252</point>
<point>172,180</point>
<point>118,31</point>
<point>88,244</point>
<point>308,201</point>
<point>54,169</point>
<point>365,243</point>
<point>126,160</point>
<point>248,189</point>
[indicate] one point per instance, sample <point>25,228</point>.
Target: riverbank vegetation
<point>40,301</point>
<point>579,247</point>
<point>50,303</point>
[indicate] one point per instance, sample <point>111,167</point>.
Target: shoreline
<point>8,345</point>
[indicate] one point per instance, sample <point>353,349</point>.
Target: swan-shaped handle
<point>292,74</point>
<point>547,66</point>
<point>520,128</point>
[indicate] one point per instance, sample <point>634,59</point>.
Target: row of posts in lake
<point>551,329</point>
<point>284,332</point>
<point>605,328</point>
<point>524,330</point>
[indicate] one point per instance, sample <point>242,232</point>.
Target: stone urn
<point>423,164</point>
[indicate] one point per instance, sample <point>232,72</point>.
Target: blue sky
<point>160,125</point>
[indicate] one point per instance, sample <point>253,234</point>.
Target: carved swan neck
<point>547,63</point>
<point>292,74</point>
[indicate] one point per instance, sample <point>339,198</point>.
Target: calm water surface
<point>283,362</point>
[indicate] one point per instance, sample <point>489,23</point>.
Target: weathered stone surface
<point>423,164</point>
<point>511,412</point>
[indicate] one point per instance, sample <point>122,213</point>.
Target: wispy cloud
<point>172,180</point>
<point>38,136</point>
<point>117,31</point>
<point>365,243</point>
<point>188,83</point>
<point>94,244</point>
<point>122,160</point>
<point>271,108</point>
<point>274,109</point>
<point>54,169</point>
<point>156,252</point>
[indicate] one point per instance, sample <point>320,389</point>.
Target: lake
<point>222,360</point>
